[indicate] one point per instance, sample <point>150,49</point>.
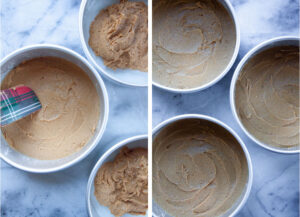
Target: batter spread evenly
<point>193,42</point>
<point>199,169</point>
<point>267,96</point>
<point>69,114</point>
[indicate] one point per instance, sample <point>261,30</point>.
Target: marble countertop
<point>61,194</point>
<point>275,191</point>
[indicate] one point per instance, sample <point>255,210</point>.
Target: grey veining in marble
<point>275,191</point>
<point>61,194</point>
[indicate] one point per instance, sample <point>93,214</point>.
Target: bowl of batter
<point>114,37</point>
<point>118,183</point>
<point>200,167</point>
<point>195,43</point>
<point>74,109</point>
<point>264,94</point>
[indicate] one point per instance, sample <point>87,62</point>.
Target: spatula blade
<point>16,103</point>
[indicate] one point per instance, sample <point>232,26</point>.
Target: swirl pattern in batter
<point>267,96</point>
<point>199,169</point>
<point>193,42</point>
<point>70,109</point>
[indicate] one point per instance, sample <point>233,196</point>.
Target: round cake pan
<point>227,5</point>
<point>29,164</point>
<point>159,212</point>
<point>94,208</point>
<point>89,9</point>
<point>278,41</point>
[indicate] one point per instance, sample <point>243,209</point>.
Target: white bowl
<point>159,212</point>
<point>227,5</point>
<point>89,9</point>
<point>278,41</point>
<point>94,208</point>
<point>23,162</point>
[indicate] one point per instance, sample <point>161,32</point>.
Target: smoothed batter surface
<point>122,184</point>
<point>119,34</point>
<point>69,114</point>
<point>199,169</point>
<point>193,42</point>
<point>267,96</point>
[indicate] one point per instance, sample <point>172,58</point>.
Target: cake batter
<point>69,114</point>
<point>267,96</point>
<point>119,34</point>
<point>193,42</point>
<point>122,185</point>
<point>199,169</point>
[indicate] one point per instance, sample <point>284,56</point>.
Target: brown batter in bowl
<point>199,169</point>
<point>70,109</point>
<point>119,34</point>
<point>122,184</point>
<point>267,96</point>
<point>193,42</point>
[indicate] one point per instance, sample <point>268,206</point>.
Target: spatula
<point>16,103</point>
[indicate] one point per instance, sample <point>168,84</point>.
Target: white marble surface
<point>275,191</point>
<point>62,194</point>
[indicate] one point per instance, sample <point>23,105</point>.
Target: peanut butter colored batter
<point>69,114</point>
<point>119,34</point>
<point>122,185</point>
<point>267,96</point>
<point>199,169</point>
<point>193,42</point>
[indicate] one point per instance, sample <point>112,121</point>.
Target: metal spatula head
<point>16,103</point>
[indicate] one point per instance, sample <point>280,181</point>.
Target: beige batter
<point>122,185</point>
<point>119,34</point>
<point>193,42</point>
<point>199,169</point>
<point>69,114</point>
<point>267,97</point>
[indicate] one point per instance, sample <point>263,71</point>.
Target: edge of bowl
<point>105,116</point>
<point>100,162</point>
<point>236,73</point>
<point>224,72</point>
<point>234,134</point>
<point>90,58</point>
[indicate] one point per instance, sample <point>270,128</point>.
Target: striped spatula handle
<point>16,103</point>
